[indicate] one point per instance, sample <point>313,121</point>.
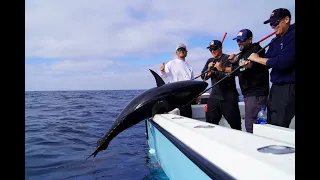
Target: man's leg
<point>281,105</point>
<point>187,110</point>
<point>252,107</point>
<point>183,111</point>
<point>231,112</point>
<point>213,115</point>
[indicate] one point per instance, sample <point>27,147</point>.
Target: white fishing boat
<point>194,149</point>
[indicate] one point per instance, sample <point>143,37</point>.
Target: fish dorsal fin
<point>158,79</point>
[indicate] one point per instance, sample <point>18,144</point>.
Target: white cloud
<point>102,28</point>
<point>81,34</point>
<point>91,75</point>
<point>71,66</point>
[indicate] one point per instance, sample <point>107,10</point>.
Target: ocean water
<point>61,131</point>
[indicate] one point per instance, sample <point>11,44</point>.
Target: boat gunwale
<point>213,171</point>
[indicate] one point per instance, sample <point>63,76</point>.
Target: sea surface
<point>61,131</point>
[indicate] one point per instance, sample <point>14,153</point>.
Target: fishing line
<point>228,74</point>
<point>224,61</point>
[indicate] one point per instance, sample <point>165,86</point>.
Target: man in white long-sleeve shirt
<point>178,70</point>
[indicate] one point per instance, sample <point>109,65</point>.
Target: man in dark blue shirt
<point>281,58</point>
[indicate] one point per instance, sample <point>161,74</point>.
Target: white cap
<point>181,46</point>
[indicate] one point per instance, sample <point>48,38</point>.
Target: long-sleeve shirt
<point>253,81</point>
<point>177,70</point>
<point>281,58</point>
<point>226,89</point>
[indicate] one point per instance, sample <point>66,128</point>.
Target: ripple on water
<point>62,129</point>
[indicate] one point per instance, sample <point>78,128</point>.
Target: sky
<point>111,45</point>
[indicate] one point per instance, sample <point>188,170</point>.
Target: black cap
<point>216,43</point>
<point>243,34</point>
<point>278,14</point>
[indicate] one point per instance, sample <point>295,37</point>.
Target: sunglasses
<point>241,40</point>
<point>275,23</point>
<point>182,50</point>
<point>214,48</point>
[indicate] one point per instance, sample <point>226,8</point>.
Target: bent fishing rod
<point>224,36</point>
<point>212,68</point>
<point>228,74</point>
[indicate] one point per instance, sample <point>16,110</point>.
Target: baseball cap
<point>278,14</point>
<point>215,43</point>
<point>243,34</point>
<point>181,46</point>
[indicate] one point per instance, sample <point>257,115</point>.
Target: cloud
<point>98,74</point>
<point>103,38</point>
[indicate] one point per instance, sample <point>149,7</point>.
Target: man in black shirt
<point>253,77</point>
<point>224,97</point>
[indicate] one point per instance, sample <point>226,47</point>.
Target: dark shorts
<point>252,107</point>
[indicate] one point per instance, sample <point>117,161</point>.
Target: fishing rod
<point>224,36</point>
<point>212,68</point>
<point>228,74</point>
<point>224,61</point>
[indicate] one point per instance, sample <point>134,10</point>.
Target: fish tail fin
<point>101,145</point>
<point>93,154</point>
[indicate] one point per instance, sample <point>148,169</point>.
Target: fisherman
<point>179,70</point>
<point>281,58</point>
<point>224,96</point>
<point>253,80</point>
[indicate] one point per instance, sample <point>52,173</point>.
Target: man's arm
<point>221,72</point>
<point>229,69</point>
<point>285,59</point>
<point>262,53</point>
<point>282,61</point>
<point>166,72</point>
<point>192,74</point>
<point>205,68</point>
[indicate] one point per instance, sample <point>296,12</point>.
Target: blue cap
<point>243,34</point>
<point>278,14</point>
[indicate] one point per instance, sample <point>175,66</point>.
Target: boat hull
<point>176,159</point>
<point>188,148</point>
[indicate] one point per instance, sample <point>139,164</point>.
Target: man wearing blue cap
<point>281,58</point>
<point>253,78</point>
<point>224,97</point>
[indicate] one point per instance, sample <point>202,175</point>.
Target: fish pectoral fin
<point>160,107</point>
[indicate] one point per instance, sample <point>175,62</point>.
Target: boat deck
<point>200,150</point>
<point>199,114</point>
